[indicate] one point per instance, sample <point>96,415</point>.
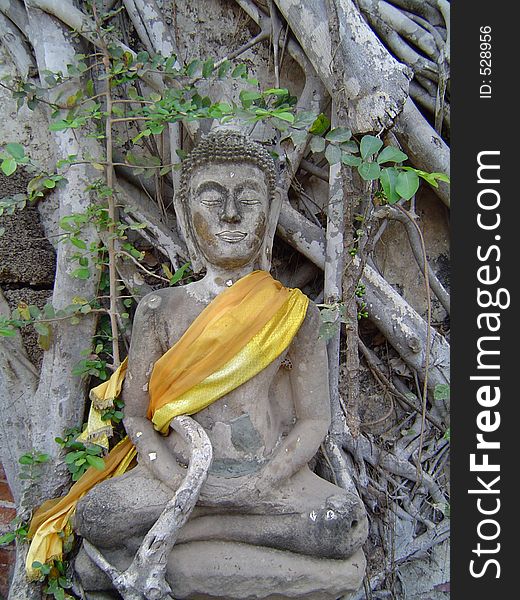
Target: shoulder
<point>159,301</point>
<point>310,327</point>
<point>312,316</point>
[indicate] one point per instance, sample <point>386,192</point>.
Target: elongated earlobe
<point>266,252</point>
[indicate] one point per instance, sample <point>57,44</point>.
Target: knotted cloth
<point>236,336</point>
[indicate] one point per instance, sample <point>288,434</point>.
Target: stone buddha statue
<point>265,526</point>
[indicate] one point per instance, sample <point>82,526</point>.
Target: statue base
<point>212,570</point>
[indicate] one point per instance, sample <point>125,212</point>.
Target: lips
<point>232,236</point>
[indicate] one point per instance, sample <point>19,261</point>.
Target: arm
<point>310,386</point>
<point>145,349</point>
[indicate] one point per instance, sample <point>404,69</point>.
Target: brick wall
<point>7,514</point>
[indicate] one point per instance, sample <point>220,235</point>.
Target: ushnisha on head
<point>227,204</point>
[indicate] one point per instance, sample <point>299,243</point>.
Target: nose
<point>230,212</point>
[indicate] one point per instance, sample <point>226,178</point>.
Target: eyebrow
<point>210,185</point>
<point>215,185</point>
<point>251,184</point>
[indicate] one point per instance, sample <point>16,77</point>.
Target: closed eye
<point>211,198</point>
<point>249,201</point>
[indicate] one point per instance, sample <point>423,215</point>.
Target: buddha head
<point>227,203</point>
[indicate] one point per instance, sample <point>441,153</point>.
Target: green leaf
<point>89,87</point>
<point>339,134</point>
<point>224,68</point>
<point>207,67</point>
<point>441,177</point>
<point>320,125</point>
<point>276,92</point>
<point>391,154</point>
<point>156,128</point>
<point>49,183</point>
<point>26,459</point>
<point>350,146</point>
<point>369,145</point>
<point>239,71</point>
<point>42,328</point>
<point>369,170</point>
<point>81,273</point>
<point>284,116</point>
<point>328,331</point>
<point>350,160</point>
<point>247,97</point>
<point>15,150</point>
<point>317,144</point>
<point>329,315</point>
<point>298,136</point>
<point>8,166</point>
<point>441,392</point>
<point>7,331</point>
<point>179,273</point>
<point>193,67</point>
<point>78,243</point>
<point>96,461</point>
<point>333,154</point>
<point>407,184</point>
<point>431,178</point>
<point>7,538</point>
<point>388,179</point>
<point>60,125</point>
<point>304,119</point>
<point>44,341</point>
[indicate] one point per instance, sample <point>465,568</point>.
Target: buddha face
<point>229,205</point>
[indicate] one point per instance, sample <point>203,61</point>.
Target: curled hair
<point>222,147</point>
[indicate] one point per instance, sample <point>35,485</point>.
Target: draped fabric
<point>236,336</point>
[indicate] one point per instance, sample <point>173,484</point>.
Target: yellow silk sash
<point>236,336</point>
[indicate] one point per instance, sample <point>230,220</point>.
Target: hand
<point>232,492</point>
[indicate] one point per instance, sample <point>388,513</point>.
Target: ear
<point>272,222</point>
<point>185,233</point>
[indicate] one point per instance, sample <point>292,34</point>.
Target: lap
<point>141,493</point>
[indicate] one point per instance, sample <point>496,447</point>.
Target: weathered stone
<point>227,571</point>
<point>265,526</point>
<point>26,256</point>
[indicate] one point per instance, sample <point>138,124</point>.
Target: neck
<point>217,279</point>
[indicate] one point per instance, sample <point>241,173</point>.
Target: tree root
<point>145,578</point>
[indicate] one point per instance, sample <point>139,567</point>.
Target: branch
<point>16,47</point>
<point>18,382</point>
<point>422,97</point>
<point>422,8</point>
<point>375,83</point>
<point>145,578</point>
<point>415,244</point>
<point>59,400</point>
<point>424,146</point>
<point>15,12</point>
<point>403,51</point>
<point>405,329</point>
<point>402,24</point>
<point>143,210</point>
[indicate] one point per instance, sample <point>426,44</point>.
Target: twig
<point>112,210</point>
<point>428,328</point>
<point>378,373</point>
<point>151,273</point>
<point>417,245</point>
